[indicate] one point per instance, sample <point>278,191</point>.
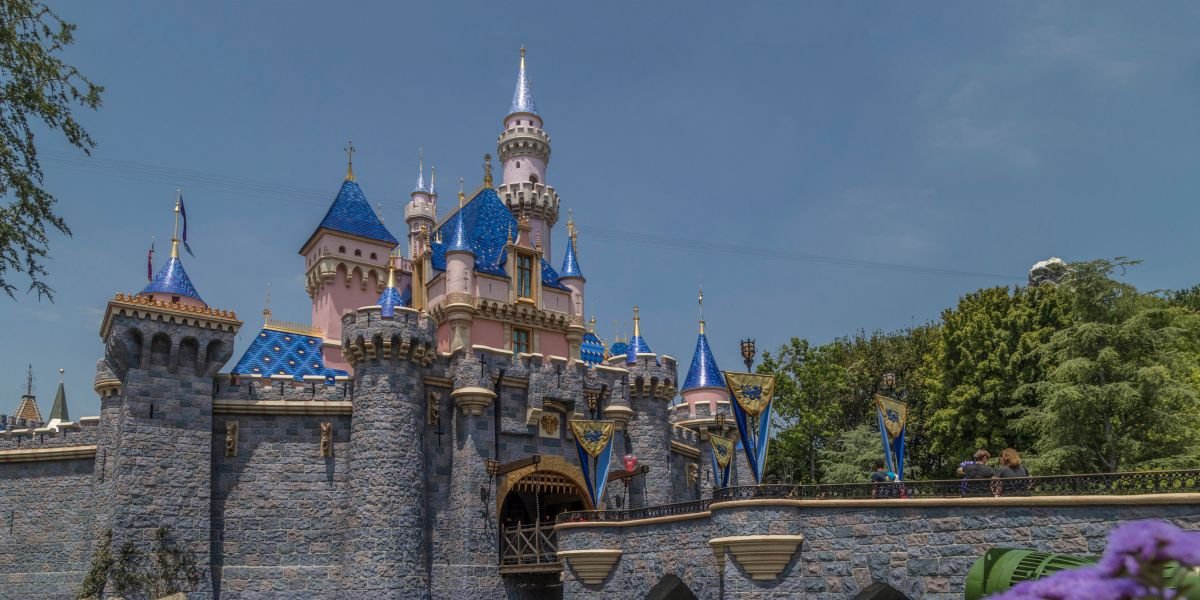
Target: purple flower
<point>1084,583</point>
<point>1135,544</point>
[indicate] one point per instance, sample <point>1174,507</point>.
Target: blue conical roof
<point>459,242</point>
<point>388,302</point>
<point>523,95</point>
<point>570,266</point>
<point>704,372</point>
<point>351,213</point>
<point>173,280</point>
<point>637,345</point>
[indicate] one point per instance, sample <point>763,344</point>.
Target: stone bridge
<point>853,542</point>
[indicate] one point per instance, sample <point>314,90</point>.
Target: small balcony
<point>529,549</point>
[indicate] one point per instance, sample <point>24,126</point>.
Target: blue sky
<point>976,138</point>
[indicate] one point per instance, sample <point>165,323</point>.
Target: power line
<point>292,194</point>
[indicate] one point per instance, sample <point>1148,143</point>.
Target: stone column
<point>388,545</point>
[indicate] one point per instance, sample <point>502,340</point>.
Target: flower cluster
<point>1135,565</point>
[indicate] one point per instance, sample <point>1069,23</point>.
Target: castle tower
<point>524,150</point>
<point>460,282</point>
<point>387,550</point>
<point>346,261</point>
<point>652,384</point>
<point>704,384</point>
<point>162,355</point>
<point>420,214</point>
<point>571,276</point>
<point>28,408</point>
<point>172,284</point>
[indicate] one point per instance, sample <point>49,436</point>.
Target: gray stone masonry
<point>387,554</point>
<point>923,550</point>
<point>648,434</point>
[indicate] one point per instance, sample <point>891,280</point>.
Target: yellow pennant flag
<point>895,414</point>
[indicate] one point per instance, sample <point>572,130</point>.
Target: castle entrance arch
<point>529,500</point>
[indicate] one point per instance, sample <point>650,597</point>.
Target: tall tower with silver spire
<point>524,150</point>
<point>420,214</point>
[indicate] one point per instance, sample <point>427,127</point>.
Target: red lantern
<point>630,462</point>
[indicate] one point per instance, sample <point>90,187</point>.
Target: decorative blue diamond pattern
<point>275,352</point>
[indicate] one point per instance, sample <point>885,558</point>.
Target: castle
<point>410,441</point>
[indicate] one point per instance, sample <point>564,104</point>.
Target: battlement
<point>420,209</point>
<point>19,433</point>
<point>282,387</point>
<point>523,141</point>
<point>537,200</point>
<point>653,376</point>
<point>368,335</point>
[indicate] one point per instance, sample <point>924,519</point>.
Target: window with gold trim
<point>524,276</point>
<point>521,340</point>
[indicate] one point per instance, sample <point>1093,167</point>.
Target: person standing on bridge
<point>1011,468</point>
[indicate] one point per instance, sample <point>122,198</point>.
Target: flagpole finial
<point>637,323</point>
<point>349,160</point>
<point>462,196</point>
<point>700,300</point>
<point>487,170</point>
<point>267,304</point>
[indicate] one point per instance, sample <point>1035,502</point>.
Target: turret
<point>460,281</point>
<point>346,258</point>
<point>571,276</point>
<point>171,284</point>
<point>652,384</point>
<point>524,150</point>
<point>420,214</point>
<point>704,384</point>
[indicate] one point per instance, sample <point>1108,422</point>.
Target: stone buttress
<point>387,546</point>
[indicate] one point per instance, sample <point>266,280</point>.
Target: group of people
<point>978,468</point>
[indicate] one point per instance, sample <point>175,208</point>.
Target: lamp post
<point>889,380</point>
<point>748,352</point>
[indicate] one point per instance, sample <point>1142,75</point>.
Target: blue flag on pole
<point>593,440</point>
<point>752,395</point>
<point>183,213</point>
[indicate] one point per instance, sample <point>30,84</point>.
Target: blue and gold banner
<point>593,440</point>
<point>722,458</point>
<point>893,417</point>
<point>752,394</point>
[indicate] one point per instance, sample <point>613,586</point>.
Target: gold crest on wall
<point>548,425</point>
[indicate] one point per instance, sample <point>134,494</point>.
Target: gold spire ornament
<point>175,235</point>
<point>637,323</point>
<point>462,196</point>
<point>522,57</point>
<point>572,231</point>
<point>391,271</point>
<point>349,160</point>
<point>701,301</point>
<point>487,170</point>
<point>267,305</point>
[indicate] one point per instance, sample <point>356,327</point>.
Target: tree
<point>808,383</point>
<point>35,85</point>
<point>1116,393</point>
<point>850,458</point>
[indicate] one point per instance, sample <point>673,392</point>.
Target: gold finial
<point>391,271</point>
<point>510,237</point>
<point>462,196</point>
<point>592,324</point>
<point>522,57</point>
<point>572,232</point>
<point>175,235</point>
<point>349,160</point>
<point>60,374</point>
<point>701,301</point>
<point>487,170</point>
<point>637,323</point>
<point>267,304</point>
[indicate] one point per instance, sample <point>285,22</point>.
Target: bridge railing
<point>649,512</point>
<point>1098,484</point>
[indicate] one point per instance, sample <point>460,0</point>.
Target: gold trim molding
<point>47,454</point>
<point>1114,500</point>
<point>762,556</point>
<point>590,566</point>
<point>282,407</point>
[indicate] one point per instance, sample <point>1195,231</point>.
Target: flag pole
<point>175,235</point>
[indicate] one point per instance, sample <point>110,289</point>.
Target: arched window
<point>358,252</point>
<point>533,179</point>
<point>518,164</point>
<point>373,257</point>
<point>341,249</point>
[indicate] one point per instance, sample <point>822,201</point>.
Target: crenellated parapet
<point>23,434</point>
<point>653,377</point>
<point>369,336</point>
<point>140,332</point>
<point>283,387</point>
<point>536,200</point>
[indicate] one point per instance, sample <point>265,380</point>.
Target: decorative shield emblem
<point>895,414</point>
<point>753,392</point>
<point>593,436</point>
<point>722,450</point>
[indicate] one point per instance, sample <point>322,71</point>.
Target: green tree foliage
<point>851,457</point>
<point>1087,375</point>
<point>1117,379</point>
<point>38,90</point>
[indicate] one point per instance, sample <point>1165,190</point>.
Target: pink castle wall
<point>552,343</point>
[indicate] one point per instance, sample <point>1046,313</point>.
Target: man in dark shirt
<point>879,476</point>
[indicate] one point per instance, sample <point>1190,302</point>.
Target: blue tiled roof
<point>275,352</point>
<point>570,266</point>
<point>591,351</point>
<point>618,348</point>
<point>637,345</point>
<point>487,223</point>
<point>523,95</point>
<point>458,235</point>
<point>351,213</point>
<point>172,279</point>
<point>703,372</point>
<point>388,302</point>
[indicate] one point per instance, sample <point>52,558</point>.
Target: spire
<point>704,372</point>
<point>59,411</point>
<point>701,301</point>
<point>458,236</point>
<point>421,172</point>
<point>522,101</point>
<point>391,297</point>
<point>172,279</point>
<point>349,161</point>
<point>462,196</point>
<point>432,180</point>
<point>637,344</point>
<point>487,170</point>
<point>267,304</point>
<point>570,266</point>
<point>28,408</point>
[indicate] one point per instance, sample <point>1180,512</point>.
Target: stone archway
<point>670,587</point>
<point>880,591</point>
<point>549,464</point>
